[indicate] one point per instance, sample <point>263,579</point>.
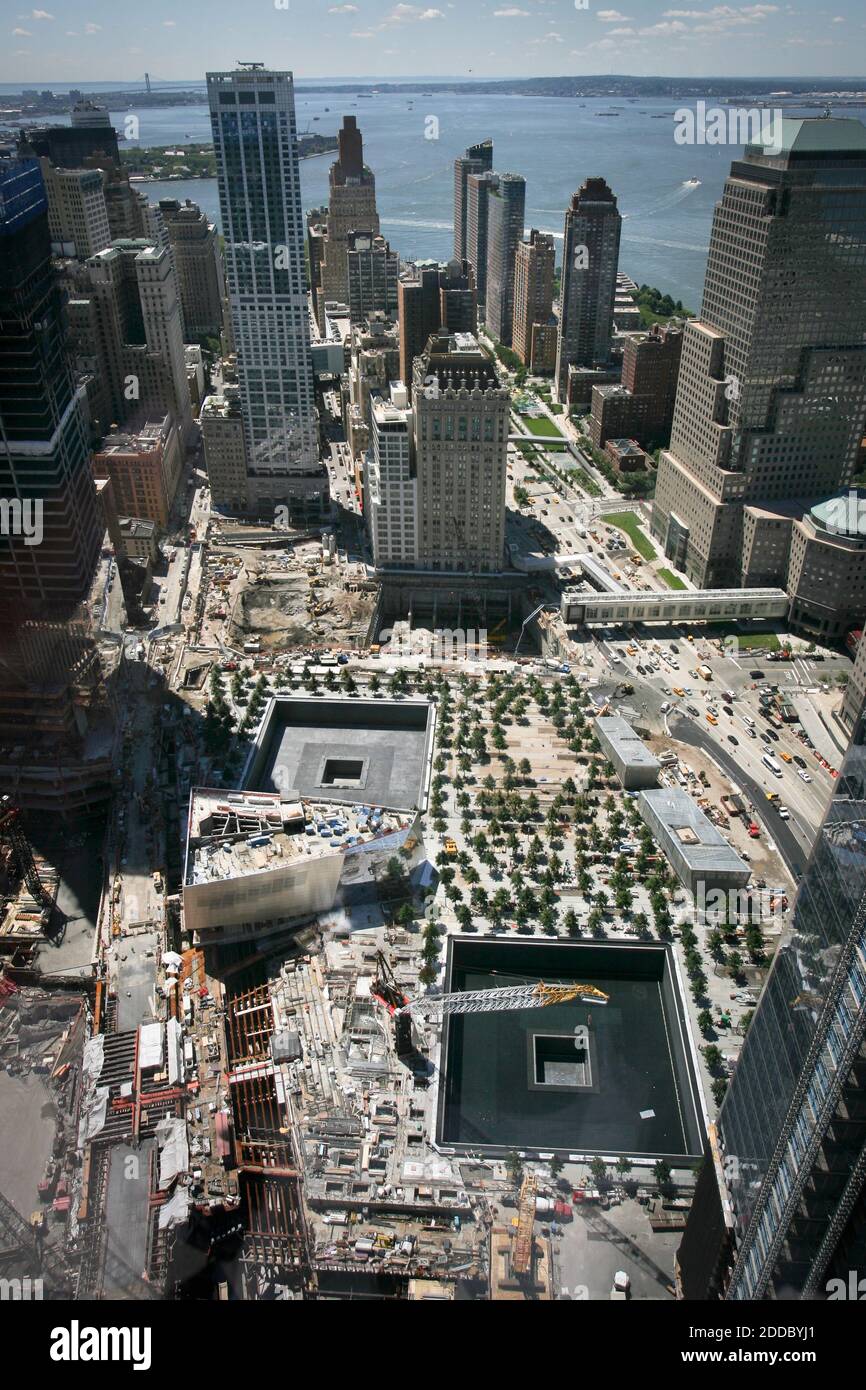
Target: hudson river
<point>555,143</point>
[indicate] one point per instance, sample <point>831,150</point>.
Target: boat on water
<point>691,183</point>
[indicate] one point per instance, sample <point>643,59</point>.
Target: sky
<point>101,40</point>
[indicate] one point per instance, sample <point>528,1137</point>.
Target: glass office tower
<point>792,1127</point>
<point>44,448</point>
<point>255,140</point>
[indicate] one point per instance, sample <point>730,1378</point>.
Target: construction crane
<point>537,995</point>
<point>10,829</point>
<point>521,1251</point>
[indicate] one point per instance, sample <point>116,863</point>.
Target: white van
<point>771,764</point>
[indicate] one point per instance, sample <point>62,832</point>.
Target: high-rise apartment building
<point>477,160</point>
<point>782,1209</point>
<point>351,208</point>
<point>255,141</point>
<point>77,212</point>
<point>641,406</point>
<point>590,256</point>
<point>390,485</point>
<point>198,264</point>
<point>225,453</point>
<point>373,270</point>
<point>127,334</point>
<point>771,402</point>
<point>46,565</point>
<point>505,217</point>
<point>478,189</point>
<point>430,297</point>
<point>534,327</point>
<point>461,414</point>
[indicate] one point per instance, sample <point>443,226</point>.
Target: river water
<point>554,142</point>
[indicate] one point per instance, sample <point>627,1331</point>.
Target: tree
<point>598,1168</point>
<point>705,1022</point>
<point>427,974</point>
<point>514,1167</point>
<point>623,1166</point>
<point>712,1056</point>
<point>556,1166</point>
<point>663,1175</point>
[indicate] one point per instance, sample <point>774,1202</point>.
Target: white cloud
<point>621,33</point>
<point>612,17</point>
<point>92,28</point>
<point>40,14</point>
<point>343,9</point>
<point>169,24</point>
<point>409,14</point>
<point>363,34</point>
<point>22,34</point>
<point>512,12</point>
<point>838,19</point>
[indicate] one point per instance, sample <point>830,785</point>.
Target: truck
<point>705,673</point>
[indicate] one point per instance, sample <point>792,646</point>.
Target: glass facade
<point>790,1133</point>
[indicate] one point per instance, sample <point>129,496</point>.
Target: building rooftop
<point>811,135</point>
<point>628,745</point>
<point>701,844</point>
<point>234,834</point>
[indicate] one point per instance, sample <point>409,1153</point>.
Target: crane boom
<point>528,996</point>
<point>522,1248</point>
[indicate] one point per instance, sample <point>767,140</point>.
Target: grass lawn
<point>672,580</point>
<point>628,522</point>
<point>768,640</point>
<point>539,424</point>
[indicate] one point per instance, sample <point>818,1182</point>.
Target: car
<point>678,690</point>
<point>693,711</point>
<point>773,735</point>
<point>728,710</point>
<point>801,762</point>
<point>783,812</point>
<point>711,719</point>
<point>765,737</point>
<point>756,675</point>
<point>751,732</point>
<point>786,757</point>
<point>732,738</point>
<point>804,776</point>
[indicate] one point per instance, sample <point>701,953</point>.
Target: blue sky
<point>98,40</point>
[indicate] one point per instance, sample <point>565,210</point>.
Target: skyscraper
<point>506,209</point>
<point>771,401</point>
<point>477,159</point>
<point>44,453</point>
<point>372,273</point>
<point>430,297</point>
<point>478,189</point>
<point>590,257</point>
<point>534,328</point>
<point>461,414</point>
<point>782,1211</point>
<point>351,208</point>
<point>255,141</point>
<point>198,265</point>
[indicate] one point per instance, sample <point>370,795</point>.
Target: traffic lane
<point>788,845</point>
